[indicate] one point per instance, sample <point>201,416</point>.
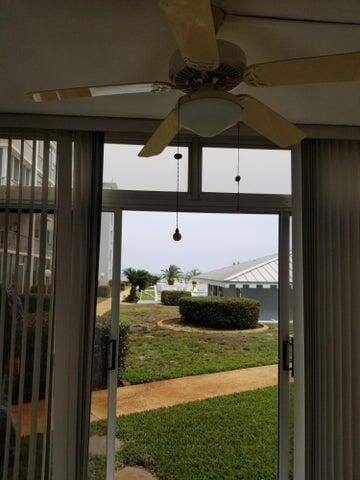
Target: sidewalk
<point>105,305</point>
<point>166,393</point>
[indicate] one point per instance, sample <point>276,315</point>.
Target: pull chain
<point>178,157</point>
<point>238,178</point>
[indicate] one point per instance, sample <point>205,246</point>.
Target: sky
<point>208,241</point>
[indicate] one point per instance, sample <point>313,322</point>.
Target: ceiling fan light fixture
<point>209,116</point>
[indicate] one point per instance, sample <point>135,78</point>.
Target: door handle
<point>112,344</point>
<point>288,355</point>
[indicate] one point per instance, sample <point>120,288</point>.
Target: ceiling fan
<point>207,69</point>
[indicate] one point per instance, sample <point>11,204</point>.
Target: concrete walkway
<point>105,305</point>
<point>166,393</point>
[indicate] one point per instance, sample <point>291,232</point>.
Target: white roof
<point>259,270</point>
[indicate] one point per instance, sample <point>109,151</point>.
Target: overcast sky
<point>208,240</point>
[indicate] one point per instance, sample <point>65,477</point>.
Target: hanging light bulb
<point>177,235</point>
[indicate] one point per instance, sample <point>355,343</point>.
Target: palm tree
<point>154,279</point>
<point>131,275</point>
<point>192,273</point>
<point>143,279</point>
<point>171,274</point>
<point>136,278</point>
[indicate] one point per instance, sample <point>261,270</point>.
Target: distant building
<point>106,242</point>
<point>256,278</point>
<point>27,169</point>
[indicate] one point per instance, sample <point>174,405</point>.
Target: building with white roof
<point>257,278</point>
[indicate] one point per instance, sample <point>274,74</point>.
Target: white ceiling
<point>47,44</point>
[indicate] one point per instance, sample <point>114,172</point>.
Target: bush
<point>35,289</point>
<point>101,338</point>
<point>220,312</point>
<point>101,357</point>
<point>104,291</point>
<point>29,365</point>
<point>123,285</point>
<point>172,297</point>
<point>33,302</point>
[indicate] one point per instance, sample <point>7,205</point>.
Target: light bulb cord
<point>238,168</point>
<point>178,167</point>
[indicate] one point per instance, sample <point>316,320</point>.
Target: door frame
<point>284,215</point>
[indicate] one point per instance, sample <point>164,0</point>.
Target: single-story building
<point>257,278</point>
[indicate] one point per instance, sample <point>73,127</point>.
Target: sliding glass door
<point>144,350</point>
<point>263,358</point>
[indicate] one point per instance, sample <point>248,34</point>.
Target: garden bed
<point>178,325</point>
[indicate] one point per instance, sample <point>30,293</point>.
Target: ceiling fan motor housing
<point>226,77</point>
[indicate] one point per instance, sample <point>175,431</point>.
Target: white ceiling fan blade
<point>99,91</point>
<point>326,69</point>
<point>269,123</point>
<point>162,136</point>
<point>192,24</point>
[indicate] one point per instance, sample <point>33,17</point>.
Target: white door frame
<point>283,336</point>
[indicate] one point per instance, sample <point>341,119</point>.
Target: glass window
<point>124,170</point>
<point>261,170</point>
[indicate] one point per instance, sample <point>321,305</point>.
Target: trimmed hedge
<point>101,358</point>
<point>104,291</point>
<point>123,285</point>
<point>33,298</point>
<point>172,297</point>
<point>220,312</point>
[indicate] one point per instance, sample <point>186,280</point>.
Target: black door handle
<point>288,356</point>
<point>112,349</point>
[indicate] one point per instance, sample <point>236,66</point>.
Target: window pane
<point>261,170</point>
<point>124,170</point>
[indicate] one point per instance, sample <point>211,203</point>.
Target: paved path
<point>166,393</point>
<point>105,305</point>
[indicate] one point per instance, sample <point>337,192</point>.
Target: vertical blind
<point>78,204</point>
<point>331,266</point>
<point>50,206</point>
<point>27,189</point>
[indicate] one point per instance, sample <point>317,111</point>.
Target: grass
<point>157,354</point>
<point>230,438</point>
<point>148,294</point>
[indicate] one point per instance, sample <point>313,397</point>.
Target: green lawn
<point>148,294</point>
<point>228,438</point>
<point>156,354</point>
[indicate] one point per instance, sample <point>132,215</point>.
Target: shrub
<point>220,312</point>
<point>123,285</point>
<point>29,364</point>
<point>101,357</point>
<point>172,297</point>
<point>101,338</point>
<point>33,302</point>
<point>35,289</point>
<point>104,291</point>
